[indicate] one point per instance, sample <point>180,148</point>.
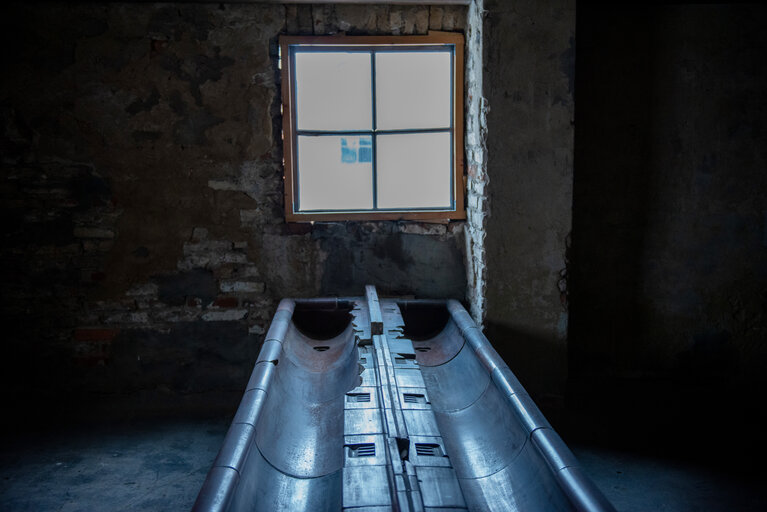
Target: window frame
<point>289,133</point>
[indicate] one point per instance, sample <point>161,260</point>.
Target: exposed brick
<point>454,18</point>
<point>90,360</point>
<point>225,315</point>
<point>207,246</point>
<point>199,234</point>
<point>232,257</point>
<point>87,232</point>
<point>90,275</point>
<point>94,334</point>
<point>211,260</point>
<point>304,19</point>
<point>423,229</point>
<point>175,314</point>
<point>237,271</point>
<point>128,317</point>
<point>296,228</point>
<point>435,17</point>
<point>93,352</point>
<point>143,290</point>
<point>242,286</point>
<point>291,17</point>
<point>72,218</point>
<point>226,302</point>
<point>248,271</point>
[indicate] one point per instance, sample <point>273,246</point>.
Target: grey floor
<point>161,465</point>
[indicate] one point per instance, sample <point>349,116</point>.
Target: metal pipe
<point>580,490</point>
<point>326,423</point>
<point>222,480</point>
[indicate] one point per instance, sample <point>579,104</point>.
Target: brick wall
<point>144,247</point>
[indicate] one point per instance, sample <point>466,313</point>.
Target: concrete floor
<point>160,466</point>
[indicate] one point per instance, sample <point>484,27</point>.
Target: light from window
<point>372,127</point>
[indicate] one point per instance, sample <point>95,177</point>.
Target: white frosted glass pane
<point>335,172</point>
<point>412,90</point>
<point>333,91</point>
<point>414,170</point>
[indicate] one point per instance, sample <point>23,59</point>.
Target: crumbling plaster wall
<point>529,72</point>
<point>144,245</point>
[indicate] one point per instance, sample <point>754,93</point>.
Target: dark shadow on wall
<point>612,183</point>
<point>398,264</point>
<point>544,365</point>
<point>141,202</point>
<point>668,281</point>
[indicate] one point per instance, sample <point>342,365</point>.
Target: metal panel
<point>420,422</point>
<point>428,451</point>
<point>263,487</point>
<point>236,445</point>
<point>217,490</point>
<point>261,376</point>
<point>298,438</point>
<point>376,322</point>
<point>250,407</point>
<point>525,485</point>
<point>485,437</point>
<point>582,491</point>
<point>363,421</point>
<point>364,450</point>
<point>457,383</point>
<point>528,414</point>
<point>439,487</point>
<point>366,486</point>
<point>409,378</point>
<point>439,424</point>
<point>554,451</point>
<point>270,351</point>
<point>362,397</point>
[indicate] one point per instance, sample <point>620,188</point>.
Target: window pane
<point>333,91</point>
<point>335,172</point>
<point>414,170</point>
<point>412,90</point>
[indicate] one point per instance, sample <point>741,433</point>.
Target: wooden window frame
<point>290,137</point>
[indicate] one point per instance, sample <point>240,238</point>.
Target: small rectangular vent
<point>428,450</point>
<point>358,397</point>
<point>362,450</point>
<point>423,349</point>
<point>363,360</point>
<point>413,398</point>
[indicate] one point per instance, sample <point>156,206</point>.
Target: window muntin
<point>373,127</point>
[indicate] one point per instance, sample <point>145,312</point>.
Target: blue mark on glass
<point>356,149</point>
<point>366,149</point>
<point>348,151</point>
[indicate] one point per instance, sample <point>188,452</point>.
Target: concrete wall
<point>529,72</point>
<point>144,247</point>
<point>669,257</point>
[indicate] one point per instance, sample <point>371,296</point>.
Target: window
<point>373,127</point>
